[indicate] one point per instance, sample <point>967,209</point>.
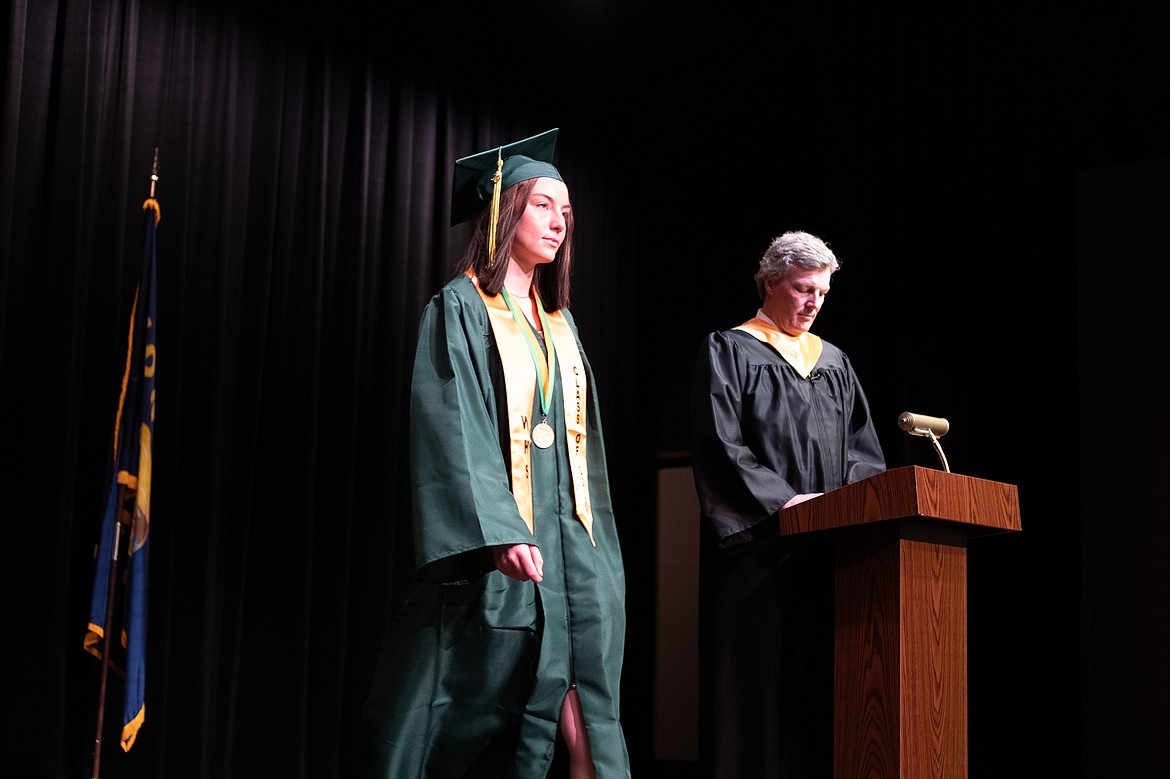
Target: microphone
<point>920,424</point>
<point>933,428</point>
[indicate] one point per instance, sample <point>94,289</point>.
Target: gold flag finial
<point>150,202</point>
<point>154,172</point>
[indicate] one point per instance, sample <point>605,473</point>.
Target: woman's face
<point>542,224</point>
<point>794,301</point>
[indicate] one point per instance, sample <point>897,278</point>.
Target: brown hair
<point>551,281</point>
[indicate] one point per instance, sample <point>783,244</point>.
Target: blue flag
<point>128,497</point>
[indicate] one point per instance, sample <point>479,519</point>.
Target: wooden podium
<point>900,674</point>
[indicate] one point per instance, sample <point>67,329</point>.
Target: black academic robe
<point>763,433</point>
<point>476,666</point>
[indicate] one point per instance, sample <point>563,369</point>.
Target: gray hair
<point>794,249</point>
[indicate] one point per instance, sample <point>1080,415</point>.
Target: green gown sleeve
<point>463,503</point>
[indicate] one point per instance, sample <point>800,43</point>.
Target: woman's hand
<point>520,561</point>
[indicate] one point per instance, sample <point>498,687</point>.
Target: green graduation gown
<point>476,666</point>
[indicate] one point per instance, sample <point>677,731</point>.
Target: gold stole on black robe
<point>801,351</point>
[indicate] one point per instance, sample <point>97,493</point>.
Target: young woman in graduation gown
<point>515,629</point>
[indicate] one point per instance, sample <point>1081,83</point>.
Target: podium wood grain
<point>900,705</point>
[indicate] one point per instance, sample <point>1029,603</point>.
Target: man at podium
<point>778,417</point>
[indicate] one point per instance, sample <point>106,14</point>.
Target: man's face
<point>793,302</point>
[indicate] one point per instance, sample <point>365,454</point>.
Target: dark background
<point>992,177</point>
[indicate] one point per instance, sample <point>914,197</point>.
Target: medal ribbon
<point>544,369</point>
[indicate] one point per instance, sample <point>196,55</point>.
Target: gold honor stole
<point>801,352</point>
<point>520,380</point>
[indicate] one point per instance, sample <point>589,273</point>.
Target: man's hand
<point>520,561</point>
<point>802,497</point>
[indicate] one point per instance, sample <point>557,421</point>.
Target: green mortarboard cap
<point>471,186</point>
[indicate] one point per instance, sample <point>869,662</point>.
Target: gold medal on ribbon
<point>542,435</point>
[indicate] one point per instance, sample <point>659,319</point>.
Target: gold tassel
<point>495,215</point>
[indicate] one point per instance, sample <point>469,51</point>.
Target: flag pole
<point>107,638</point>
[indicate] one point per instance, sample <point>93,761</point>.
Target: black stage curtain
<point>305,153</point>
<point>304,174</point>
